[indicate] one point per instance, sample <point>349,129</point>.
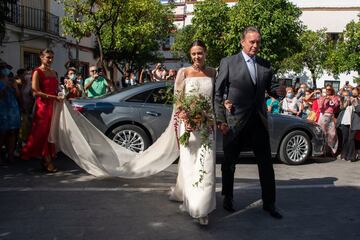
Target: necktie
<point>252,69</point>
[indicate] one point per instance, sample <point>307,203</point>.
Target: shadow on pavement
<point>313,208</point>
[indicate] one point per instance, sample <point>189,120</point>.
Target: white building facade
<point>34,25</point>
<point>316,14</point>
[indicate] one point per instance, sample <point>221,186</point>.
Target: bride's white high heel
<point>182,208</point>
<point>171,195</point>
<point>204,220</point>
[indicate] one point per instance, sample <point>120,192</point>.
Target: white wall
<point>325,3</point>
<point>333,21</point>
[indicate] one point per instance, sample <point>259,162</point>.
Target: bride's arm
<point>179,86</point>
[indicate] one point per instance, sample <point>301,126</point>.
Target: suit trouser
<point>256,133</point>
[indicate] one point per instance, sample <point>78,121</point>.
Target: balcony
<point>32,18</point>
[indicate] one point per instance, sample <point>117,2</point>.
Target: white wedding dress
<point>76,137</point>
<point>198,200</point>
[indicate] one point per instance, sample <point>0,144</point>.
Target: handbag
<point>311,116</point>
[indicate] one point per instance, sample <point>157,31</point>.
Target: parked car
<point>135,117</point>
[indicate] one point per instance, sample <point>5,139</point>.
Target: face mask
<point>6,71</point>
<point>317,95</point>
<point>290,95</point>
<point>73,77</point>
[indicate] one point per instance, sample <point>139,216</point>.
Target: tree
<point>221,27</point>
<point>127,32</point>
<point>346,55</point>
<point>312,55</point>
<point>209,25</point>
<point>183,38</point>
<point>278,21</point>
<point>210,20</point>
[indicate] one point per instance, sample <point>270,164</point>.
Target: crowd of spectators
<point>17,98</point>
<point>337,113</point>
<point>159,73</point>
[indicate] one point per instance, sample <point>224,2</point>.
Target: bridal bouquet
<point>195,111</point>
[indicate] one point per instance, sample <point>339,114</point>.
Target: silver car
<point>135,117</point>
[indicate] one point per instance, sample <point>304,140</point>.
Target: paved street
<point>318,200</point>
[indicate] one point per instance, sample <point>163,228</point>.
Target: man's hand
<point>224,128</point>
<point>228,105</point>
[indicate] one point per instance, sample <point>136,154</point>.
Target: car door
<point>156,113</point>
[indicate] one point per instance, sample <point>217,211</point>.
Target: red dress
<point>37,144</point>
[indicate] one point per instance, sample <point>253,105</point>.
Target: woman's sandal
<point>48,166</point>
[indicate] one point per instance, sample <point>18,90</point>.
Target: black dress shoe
<point>273,212</point>
<point>228,204</point>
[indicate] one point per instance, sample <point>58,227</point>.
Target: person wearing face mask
<point>291,105</point>
<point>272,104</point>
<point>73,88</point>
<point>329,105</point>
<point>9,113</point>
<point>313,97</point>
<point>343,122</point>
<point>348,122</point>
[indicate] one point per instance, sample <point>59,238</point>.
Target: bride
<point>76,137</point>
<point>197,199</point>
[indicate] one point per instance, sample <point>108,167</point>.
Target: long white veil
<point>81,141</point>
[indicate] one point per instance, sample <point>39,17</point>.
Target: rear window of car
<point>160,96</point>
<point>141,97</point>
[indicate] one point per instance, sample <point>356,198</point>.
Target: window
<point>83,69</point>
<point>333,83</point>
<point>30,58</point>
<point>140,98</point>
<point>159,96</point>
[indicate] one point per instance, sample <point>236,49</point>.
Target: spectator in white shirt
<point>291,105</point>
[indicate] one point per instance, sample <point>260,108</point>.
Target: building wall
<point>18,40</point>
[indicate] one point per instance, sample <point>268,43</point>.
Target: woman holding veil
<point>192,139</point>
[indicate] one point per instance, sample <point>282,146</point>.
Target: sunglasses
<point>93,70</point>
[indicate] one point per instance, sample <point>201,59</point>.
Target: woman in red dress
<point>45,87</point>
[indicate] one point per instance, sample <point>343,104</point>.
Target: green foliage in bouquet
<point>195,111</point>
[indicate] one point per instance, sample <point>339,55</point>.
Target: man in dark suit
<point>241,84</point>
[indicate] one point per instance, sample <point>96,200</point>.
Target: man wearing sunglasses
<point>96,85</point>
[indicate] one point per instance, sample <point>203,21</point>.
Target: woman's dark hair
<point>199,43</point>
<point>45,51</point>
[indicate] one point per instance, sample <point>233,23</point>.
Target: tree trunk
<point>122,73</point>
<point>313,77</point>
<point>103,64</point>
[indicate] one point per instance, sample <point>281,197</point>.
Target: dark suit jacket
<point>234,82</point>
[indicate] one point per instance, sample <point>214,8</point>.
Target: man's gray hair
<point>249,29</point>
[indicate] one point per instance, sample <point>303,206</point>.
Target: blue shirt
<point>275,105</point>
<point>249,62</point>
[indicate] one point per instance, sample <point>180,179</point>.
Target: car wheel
<point>130,137</point>
<point>295,148</point>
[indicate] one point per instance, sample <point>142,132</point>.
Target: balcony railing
<point>32,18</point>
